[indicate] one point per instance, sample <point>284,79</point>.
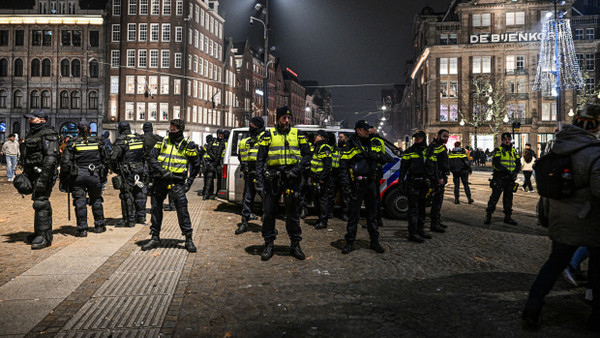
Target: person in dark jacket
<point>320,168</point>
<point>150,139</point>
<point>83,170</point>
<point>40,166</point>
<point>437,160</point>
<point>375,138</point>
<point>106,141</point>
<point>573,221</point>
<point>460,168</point>
<point>359,166</point>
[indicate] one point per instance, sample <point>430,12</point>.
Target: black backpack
<point>553,176</point>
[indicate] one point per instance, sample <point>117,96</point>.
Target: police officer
<point>40,166</point>
<point>150,139</point>
<point>127,160</point>
<point>359,165</point>
<point>415,181</point>
<point>282,154</point>
<point>83,170</point>
<point>247,151</point>
<point>507,164</point>
<point>460,168</point>
<point>208,174</point>
<point>213,158</point>
<point>379,145</point>
<point>320,168</point>
<point>437,160</point>
<point>336,183</point>
<point>170,160</point>
<point>224,137</point>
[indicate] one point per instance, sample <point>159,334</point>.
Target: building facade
<point>52,57</point>
<point>475,66</point>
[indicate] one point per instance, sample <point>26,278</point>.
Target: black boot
<point>416,238</point>
<point>376,246</point>
<point>124,224</point>
<point>508,220</point>
<point>348,248</point>
<point>140,220</point>
<point>242,228</point>
<point>99,229</point>
<point>253,217</point>
<point>42,240</point>
<point>189,243</point>
<point>470,200</point>
<point>303,212</point>
<point>344,217</point>
<point>296,251</point>
<point>267,251</point>
<point>154,242</point>
<point>456,200</point>
<point>435,227</point>
<point>488,219</point>
<point>423,234</point>
<point>320,225</point>
<point>532,315</point>
<point>82,232</point>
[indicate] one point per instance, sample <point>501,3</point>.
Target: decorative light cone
<point>557,58</point>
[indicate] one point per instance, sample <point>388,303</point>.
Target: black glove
<point>188,185</point>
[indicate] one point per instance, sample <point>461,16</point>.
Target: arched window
<point>64,68</point>
<point>3,96</point>
<point>46,101</point>
<point>64,99</point>
<point>46,67</point>
<point>75,68</point>
<point>93,100</point>
<point>34,99</point>
<point>18,99</point>
<point>94,68</point>
<point>75,100</point>
<point>3,67</point>
<point>19,67</point>
<point>35,67</point>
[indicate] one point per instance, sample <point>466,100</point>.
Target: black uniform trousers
<point>209,180</point>
<point>42,221</point>
<point>417,189</point>
<point>160,190</point>
<point>133,199</point>
<point>500,185</point>
<point>321,199</point>
<point>90,184</point>
<point>363,190</point>
<point>378,217</point>
<point>437,200</point>
<point>335,185</point>
<point>248,196</point>
<point>219,177</point>
<point>461,176</point>
<point>290,187</point>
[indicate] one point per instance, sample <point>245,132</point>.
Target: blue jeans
<point>580,255</point>
<point>11,166</point>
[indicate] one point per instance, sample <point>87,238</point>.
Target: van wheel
<point>396,204</point>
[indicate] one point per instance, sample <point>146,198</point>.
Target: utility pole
<point>266,61</point>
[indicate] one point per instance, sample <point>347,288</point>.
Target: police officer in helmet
<point>169,161</point>
<point>282,154</point>
<point>83,170</point>
<point>40,168</point>
<point>320,169</point>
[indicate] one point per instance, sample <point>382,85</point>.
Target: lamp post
<point>265,23</point>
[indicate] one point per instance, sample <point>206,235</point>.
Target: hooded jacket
<point>576,220</point>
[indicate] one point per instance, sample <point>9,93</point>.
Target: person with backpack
<point>572,214</point>
<point>506,164</point>
<point>527,167</point>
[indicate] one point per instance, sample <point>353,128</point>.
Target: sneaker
<point>589,295</point>
<point>568,273</point>
<point>531,190</point>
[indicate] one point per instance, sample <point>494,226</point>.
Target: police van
<point>393,199</point>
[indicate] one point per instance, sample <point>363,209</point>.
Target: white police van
<point>393,199</point>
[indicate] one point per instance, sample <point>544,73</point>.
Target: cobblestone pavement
<point>470,281</point>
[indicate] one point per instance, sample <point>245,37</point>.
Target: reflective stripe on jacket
<point>316,163</point>
<point>284,149</point>
<point>508,159</point>
<point>174,158</point>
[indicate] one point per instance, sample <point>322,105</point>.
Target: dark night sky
<point>336,42</point>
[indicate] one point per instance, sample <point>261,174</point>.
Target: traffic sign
<point>2,127</point>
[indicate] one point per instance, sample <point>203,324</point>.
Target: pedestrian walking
<point>320,176</point>
<point>282,154</point>
<point>83,171</point>
<point>40,169</point>
<point>12,153</point>
<point>437,160</point>
<point>506,164</point>
<point>572,221</point>
<point>527,167</point>
<point>247,152</point>
<point>127,160</point>
<point>359,166</point>
<point>415,181</point>
<point>460,168</point>
<point>170,160</point>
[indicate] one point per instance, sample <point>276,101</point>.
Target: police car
<point>393,199</point>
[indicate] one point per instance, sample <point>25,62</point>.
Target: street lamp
<point>265,23</point>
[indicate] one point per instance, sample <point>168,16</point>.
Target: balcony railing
<point>523,71</point>
<point>585,20</point>
<point>447,26</point>
<point>522,121</point>
<point>518,96</point>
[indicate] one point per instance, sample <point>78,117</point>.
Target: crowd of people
<point>282,161</point>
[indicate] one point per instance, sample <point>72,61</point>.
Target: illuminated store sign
<point>506,37</point>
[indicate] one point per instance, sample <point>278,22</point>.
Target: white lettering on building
<point>506,37</point>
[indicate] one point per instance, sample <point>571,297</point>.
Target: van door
<point>234,183</point>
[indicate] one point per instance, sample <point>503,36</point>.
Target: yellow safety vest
<point>247,153</point>
<point>81,146</point>
<point>335,158</point>
<point>507,158</point>
<point>316,164</point>
<point>284,149</point>
<point>174,157</point>
<point>134,142</point>
<point>456,155</point>
<point>436,152</point>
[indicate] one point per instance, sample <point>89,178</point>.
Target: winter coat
<point>527,166</point>
<point>576,220</point>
